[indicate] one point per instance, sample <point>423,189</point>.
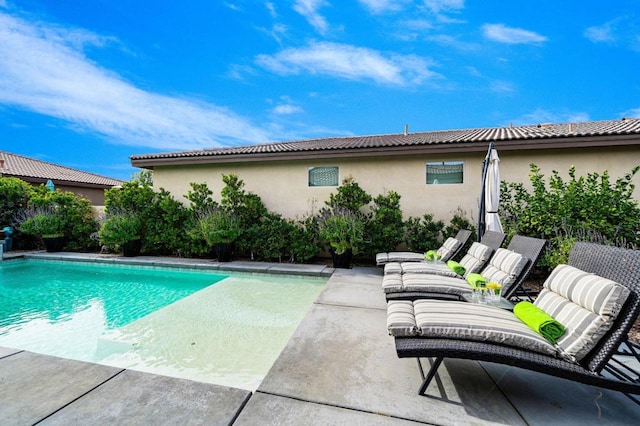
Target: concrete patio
<point>340,367</point>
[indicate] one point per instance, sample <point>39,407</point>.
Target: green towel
<point>539,321</point>
<point>430,255</point>
<point>456,267</point>
<point>476,280</point>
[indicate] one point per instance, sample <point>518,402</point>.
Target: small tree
<point>423,233</point>
<point>74,214</point>
<point>14,197</point>
<point>385,230</point>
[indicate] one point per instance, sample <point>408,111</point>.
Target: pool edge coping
<point>298,269</point>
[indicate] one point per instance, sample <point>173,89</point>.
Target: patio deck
<point>340,367</point>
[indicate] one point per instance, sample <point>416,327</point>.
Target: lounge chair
<point>449,249</point>
<point>473,261</point>
<point>510,267</point>
<point>597,323</point>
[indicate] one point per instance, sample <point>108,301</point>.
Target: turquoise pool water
<point>226,329</point>
<point>55,291</point>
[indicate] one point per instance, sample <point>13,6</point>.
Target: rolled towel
<point>456,267</point>
<point>476,280</point>
<point>539,321</point>
<point>430,255</point>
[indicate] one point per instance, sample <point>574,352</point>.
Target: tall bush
<point>342,224</point>
<point>14,197</point>
<point>572,209</point>
<point>75,214</point>
<point>163,218</point>
<point>423,233</point>
<point>385,230</point>
<point>248,209</point>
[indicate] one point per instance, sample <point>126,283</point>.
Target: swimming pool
<point>226,329</point>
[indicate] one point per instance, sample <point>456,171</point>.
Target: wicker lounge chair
<point>411,286</point>
<point>474,260</point>
<point>493,239</point>
<point>622,266</point>
<point>449,249</point>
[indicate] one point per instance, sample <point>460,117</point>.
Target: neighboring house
<point>434,172</point>
<point>36,172</point>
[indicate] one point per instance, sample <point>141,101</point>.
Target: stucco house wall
<point>283,185</point>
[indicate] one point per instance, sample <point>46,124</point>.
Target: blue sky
<point>86,84</point>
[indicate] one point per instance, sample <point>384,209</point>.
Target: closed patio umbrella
<point>488,219</point>
<point>492,193</point>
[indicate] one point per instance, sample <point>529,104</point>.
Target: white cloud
<point>447,40</point>
<point>349,62</point>
<point>286,109</point>
<point>309,9</point>
<point>271,8</point>
<point>632,113</point>
<point>622,31</point>
<point>382,6</point>
<point>503,34</point>
<point>543,116</point>
<point>502,87</point>
<point>438,6</point>
<point>599,34</point>
<point>44,70</point>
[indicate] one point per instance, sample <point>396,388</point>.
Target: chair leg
<point>430,375</point>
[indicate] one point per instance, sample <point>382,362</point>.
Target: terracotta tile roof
<point>35,170</point>
<point>625,126</point>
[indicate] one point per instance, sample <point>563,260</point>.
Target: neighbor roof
<point>541,136</point>
<point>36,171</point>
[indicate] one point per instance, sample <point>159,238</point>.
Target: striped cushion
<point>394,268</point>
<point>466,321</point>
<point>476,258</point>
<point>504,267</point>
<point>450,246</point>
<point>400,318</point>
<point>404,256</point>
<point>584,303</point>
<point>382,258</point>
<point>392,283</point>
<point>435,284</point>
<point>420,268</point>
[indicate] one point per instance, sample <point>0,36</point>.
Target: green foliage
<point>14,197</point>
<point>580,206</point>
<point>165,230</point>
<point>217,226</point>
<point>119,229</point>
<point>343,223</point>
<point>42,222</point>
<point>246,207</point>
<point>349,196</point>
<point>459,221</point>
<point>423,233</point>
<point>164,219</point>
<point>342,229</point>
<point>305,239</point>
<point>385,230</point>
<point>200,197</point>
<point>62,213</point>
<point>274,235</point>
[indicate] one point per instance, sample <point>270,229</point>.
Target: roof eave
<point>537,143</point>
<point>38,180</point>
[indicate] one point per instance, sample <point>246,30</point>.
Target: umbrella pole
<point>481,216</point>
